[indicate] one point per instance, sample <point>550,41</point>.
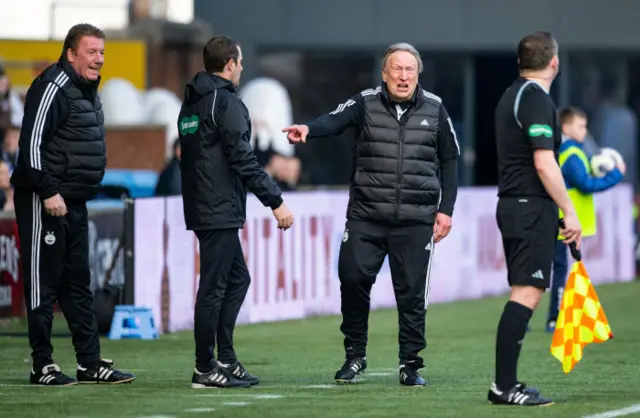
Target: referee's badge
<point>49,239</point>
<point>345,236</point>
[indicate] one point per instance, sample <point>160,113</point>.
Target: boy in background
<point>581,185</point>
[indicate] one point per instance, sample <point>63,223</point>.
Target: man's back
<point>217,161</point>
<point>525,120</point>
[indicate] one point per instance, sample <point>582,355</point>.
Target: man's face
<point>576,128</point>
<point>11,139</point>
<point>555,65</point>
<point>88,58</point>
<point>236,69</point>
<point>401,75</point>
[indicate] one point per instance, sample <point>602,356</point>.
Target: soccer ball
<point>606,160</point>
<point>614,154</point>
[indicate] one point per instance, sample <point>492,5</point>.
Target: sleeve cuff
<point>446,209</point>
<point>276,203</point>
<point>46,194</point>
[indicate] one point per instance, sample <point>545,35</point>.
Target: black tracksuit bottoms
<point>55,265</point>
<point>224,282</point>
<point>362,252</point>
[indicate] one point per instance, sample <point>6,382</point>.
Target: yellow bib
<point>582,202</point>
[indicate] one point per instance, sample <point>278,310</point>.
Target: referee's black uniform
<point>526,121</point>
<point>62,151</point>
<point>527,217</point>
<point>405,172</point>
<point>217,166</point>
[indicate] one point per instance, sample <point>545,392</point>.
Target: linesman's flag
<point>581,320</point>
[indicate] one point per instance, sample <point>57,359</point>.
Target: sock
<point>511,331</point>
<point>203,368</point>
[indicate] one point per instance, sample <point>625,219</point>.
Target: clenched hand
<point>55,206</point>
<point>283,216</point>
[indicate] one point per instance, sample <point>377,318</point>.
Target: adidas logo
<point>538,275</point>
<point>238,372</point>
<point>424,122</point>
<point>218,378</point>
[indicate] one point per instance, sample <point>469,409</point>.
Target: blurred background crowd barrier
<point>301,60</point>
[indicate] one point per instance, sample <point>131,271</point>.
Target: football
<point>613,154</point>
<point>606,160</point>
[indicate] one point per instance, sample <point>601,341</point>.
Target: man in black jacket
<point>61,163</point>
<point>218,165</point>
<point>401,201</point>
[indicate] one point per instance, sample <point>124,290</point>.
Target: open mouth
<point>403,86</point>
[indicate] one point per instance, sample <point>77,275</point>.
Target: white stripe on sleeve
<point>41,116</point>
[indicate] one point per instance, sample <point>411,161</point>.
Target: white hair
<point>402,46</point>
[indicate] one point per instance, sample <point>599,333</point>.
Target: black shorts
<point>529,228</point>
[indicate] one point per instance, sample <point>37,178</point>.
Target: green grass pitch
<point>296,361</point>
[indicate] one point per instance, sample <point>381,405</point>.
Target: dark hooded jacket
<point>217,163</point>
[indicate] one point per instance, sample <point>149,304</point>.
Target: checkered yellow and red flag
<point>581,320</point>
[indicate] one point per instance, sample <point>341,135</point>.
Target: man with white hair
<point>402,196</point>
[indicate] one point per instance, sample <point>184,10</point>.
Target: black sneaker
<point>216,378</point>
<point>351,369</point>
<point>238,372</point>
<point>51,376</point>
<point>517,395</point>
<point>409,376</point>
<point>527,390</point>
<point>103,373</point>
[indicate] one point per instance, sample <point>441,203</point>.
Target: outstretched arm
<point>347,114</point>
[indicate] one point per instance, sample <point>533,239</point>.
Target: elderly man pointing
<point>402,195</point>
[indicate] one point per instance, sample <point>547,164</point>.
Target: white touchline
<point>236,403</point>
<point>617,412</point>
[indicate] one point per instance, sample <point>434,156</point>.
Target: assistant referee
<point>530,190</point>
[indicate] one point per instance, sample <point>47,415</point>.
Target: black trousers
<point>224,281</point>
<point>55,265</point>
<point>362,252</point>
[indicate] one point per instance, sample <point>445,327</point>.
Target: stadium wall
<point>294,273</point>
<point>106,263</point>
<point>143,255</point>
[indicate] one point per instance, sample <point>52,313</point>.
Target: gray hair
<point>402,46</point>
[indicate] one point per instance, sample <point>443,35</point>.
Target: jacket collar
<point>76,79</point>
<point>568,142</point>
<point>415,99</point>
